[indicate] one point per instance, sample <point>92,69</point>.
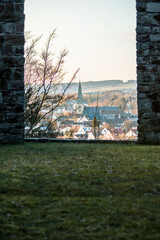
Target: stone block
<point>18,73</point>
<point>20,1</point>
<point>20,27</point>
<point>155,37</point>
<point>143,88</point>
<point>18,85</point>
<point>19,7</point>
<point>141,60</point>
<point>141,7</point>
<point>148,20</point>
<point>145,53</point>
<point>150,137</point>
<point>9,27</point>
<point>146,45</point>
<point>156,106</point>
<point>18,50</point>
<point>149,115</point>
<point>19,109</point>
<point>155,60</point>
<point>7,50</point>
<point>9,7</point>
<point>143,30</point>
<point>20,99</point>
<point>141,96</point>
<point>1,40</point>
<point>2,8</point>
<point>154,52</point>
<point>14,40</point>
<point>144,104</point>
<point>143,37</point>
<point>6,75</point>
<point>151,68</point>
<point>13,61</point>
<point>153,7</point>
<point>155,30</point>
<point>1,118</point>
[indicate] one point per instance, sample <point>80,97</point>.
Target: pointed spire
<point>80,96</point>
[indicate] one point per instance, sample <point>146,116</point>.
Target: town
<point>80,120</point>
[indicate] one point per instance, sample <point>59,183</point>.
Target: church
<point>91,112</point>
<point>80,101</point>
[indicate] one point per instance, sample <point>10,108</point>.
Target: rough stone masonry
<point>12,70</point>
<point>148,70</point>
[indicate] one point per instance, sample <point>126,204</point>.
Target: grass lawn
<point>67,191</point>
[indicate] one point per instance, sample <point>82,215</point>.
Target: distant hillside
<point>101,86</point>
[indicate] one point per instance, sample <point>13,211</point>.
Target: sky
<point>99,35</point>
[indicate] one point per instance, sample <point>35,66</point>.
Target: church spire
<point>80,96</point>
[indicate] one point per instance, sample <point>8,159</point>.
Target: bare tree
<point>44,91</point>
<point>96,118</point>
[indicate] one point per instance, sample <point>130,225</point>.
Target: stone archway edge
<point>148,70</point>
<point>12,71</point>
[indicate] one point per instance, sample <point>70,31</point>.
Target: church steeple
<point>80,96</point>
<point>80,101</point>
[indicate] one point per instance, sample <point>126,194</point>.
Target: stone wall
<point>148,70</point>
<point>11,71</point>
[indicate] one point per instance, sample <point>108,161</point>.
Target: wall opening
<point>101,41</point>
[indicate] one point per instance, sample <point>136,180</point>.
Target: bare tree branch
<point>43,83</point>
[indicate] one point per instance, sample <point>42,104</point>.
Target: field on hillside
<point>100,86</point>
<point>67,191</point>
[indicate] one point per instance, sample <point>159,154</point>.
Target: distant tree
<point>74,118</point>
<point>95,126</point>
<point>66,132</point>
<point>113,99</point>
<point>128,125</point>
<point>123,104</point>
<point>71,133</point>
<point>96,118</point>
<point>43,85</point>
<point>109,126</point>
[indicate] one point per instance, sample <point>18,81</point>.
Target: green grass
<point>79,191</point>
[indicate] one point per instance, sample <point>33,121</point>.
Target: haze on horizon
<point>99,34</point>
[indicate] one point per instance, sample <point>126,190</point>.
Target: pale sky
<point>99,34</point>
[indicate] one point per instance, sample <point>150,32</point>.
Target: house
<point>83,119</point>
<point>107,134</point>
<point>70,103</point>
<point>132,134</point>
<point>91,135</point>
<point>134,119</point>
<point>78,132</point>
<point>87,128</point>
<point>69,109</point>
<point>66,123</point>
<point>110,114</point>
<point>101,137</point>
<point>118,133</point>
<point>59,109</point>
<point>92,112</point>
<point>63,131</point>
